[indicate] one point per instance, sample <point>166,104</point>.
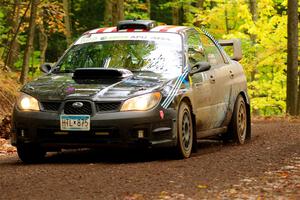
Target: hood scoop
<point>100,74</point>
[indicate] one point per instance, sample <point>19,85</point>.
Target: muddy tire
<point>30,153</point>
<point>238,125</point>
<point>184,131</point>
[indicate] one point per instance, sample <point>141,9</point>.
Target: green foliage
<point>34,62</point>
<point>136,9</point>
<point>3,31</point>
<point>186,9</point>
<point>56,46</point>
<point>161,13</point>
<point>86,15</point>
<point>265,56</point>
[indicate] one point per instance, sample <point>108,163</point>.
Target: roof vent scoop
<point>136,24</point>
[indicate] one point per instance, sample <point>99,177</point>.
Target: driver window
<point>195,48</point>
<point>212,52</point>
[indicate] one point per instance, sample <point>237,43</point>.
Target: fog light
<point>140,133</point>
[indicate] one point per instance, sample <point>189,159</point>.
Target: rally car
<point>136,84</point>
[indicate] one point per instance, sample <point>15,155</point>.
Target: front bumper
<point>116,128</point>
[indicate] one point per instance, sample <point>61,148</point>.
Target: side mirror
<point>46,68</point>
<point>237,48</point>
<point>200,67</point>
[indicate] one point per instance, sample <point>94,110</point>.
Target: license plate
<point>75,122</point>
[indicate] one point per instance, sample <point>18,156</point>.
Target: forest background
<point>38,31</point>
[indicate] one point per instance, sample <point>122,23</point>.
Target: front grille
<point>86,109</point>
<point>50,106</point>
<point>108,107</point>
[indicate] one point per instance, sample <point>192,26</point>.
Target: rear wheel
<point>238,125</point>
<point>184,131</point>
<point>30,153</point>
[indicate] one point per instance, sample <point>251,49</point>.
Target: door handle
<point>231,74</point>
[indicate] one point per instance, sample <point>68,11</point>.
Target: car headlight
<point>142,103</point>
<point>26,102</point>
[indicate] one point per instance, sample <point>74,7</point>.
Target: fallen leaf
<point>202,186</point>
<point>284,174</point>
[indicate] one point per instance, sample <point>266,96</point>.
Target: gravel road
<point>217,170</point>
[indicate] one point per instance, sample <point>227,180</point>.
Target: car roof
<point>162,29</point>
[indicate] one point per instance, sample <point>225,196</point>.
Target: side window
<point>211,51</point>
<point>195,48</point>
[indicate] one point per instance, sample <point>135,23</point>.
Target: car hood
<point>62,86</point>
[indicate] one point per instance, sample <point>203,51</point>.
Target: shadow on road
<point>124,155</point>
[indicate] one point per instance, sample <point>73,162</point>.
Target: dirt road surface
<point>268,167</point>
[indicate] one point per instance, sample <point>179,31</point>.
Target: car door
<point>221,92</point>
<point>203,83</point>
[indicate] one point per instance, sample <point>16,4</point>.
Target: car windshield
<point>154,52</point>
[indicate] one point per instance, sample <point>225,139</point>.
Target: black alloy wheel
<point>184,131</point>
<point>238,125</point>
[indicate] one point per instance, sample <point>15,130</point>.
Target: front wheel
<point>184,131</point>
<point>30,153</point>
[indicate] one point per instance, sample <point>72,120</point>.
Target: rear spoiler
<point>237,48</point>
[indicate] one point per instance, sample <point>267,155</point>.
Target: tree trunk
<point>120,9</point>
<point>114,13</point>
<point>292,58</point>
<point>43,43</point>
<point>117,11</point>
<point>186,12</point>
<point>67,22</point>
<point>181,17</point>
<point>253,11</point>
<point>15,35</point>
<point>178,11</point>
<point>29,42</point>
<point>108,13</point>
<point>13,52</point>
<point>175,14</point>
<point>148,3</point>
<point>199,4</point>
<point>226,20</point>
